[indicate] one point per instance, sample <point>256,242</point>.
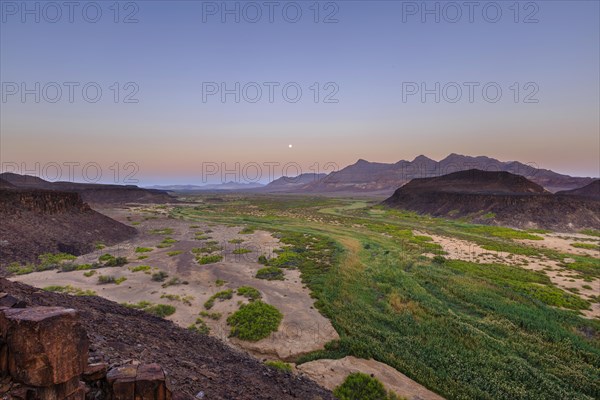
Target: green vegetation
<point>70,290</point>
<point>199,327</point>
<point>249,292</point>
<point>187,300</point>
<point>241,251</point>
<point>464,330</point>
<point>237,241</point>
<point>590,232</point>
<point>270,274</point>
<point>221,296</point>
<point>280,365</point>
<point>159,310</point>
<point>106,279</point>
<point>143,249</point>
<point>359,386</point>
<point>589,246</point>
<point>254,321</point>
<point>220,282</point>
<point>109,260</point>
<point>210,259</point>
<point>489,215</point>
<point>140,268</point>
<point>209,248</point>
<point>164,231</point>
<point>174,253</point>
<point>89,274</point>
<point>47,261</point>
<point>159,276</point>
<point>214,315</point>
<point>247,231</point>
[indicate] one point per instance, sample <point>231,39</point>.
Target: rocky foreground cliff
<point>35,222</point>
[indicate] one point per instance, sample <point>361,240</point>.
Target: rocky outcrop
<point>498,198</point>
<point>43,221</point>
<point>591,191</point>
<point>44,356</point>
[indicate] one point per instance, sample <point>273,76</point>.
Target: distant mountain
<point>370,177</point>
<point>4,184</point>
<point>92,192</point>
<point>233,186</point>
<point>498,198</point>
<point>286,183</point>
<point>591,191</point>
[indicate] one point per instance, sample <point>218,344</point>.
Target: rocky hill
<point>197,366</point>
<point>382,178</point>
<point>44,221</point>
<point>590,191</point>
<point>496,198</point>
<point>286,183</point>
<point>93,193</point>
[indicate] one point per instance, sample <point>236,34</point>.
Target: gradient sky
<point>368,54</point>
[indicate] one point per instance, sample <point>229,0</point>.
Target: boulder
<point>46,345</point>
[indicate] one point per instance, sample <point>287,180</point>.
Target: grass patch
<point>359,386</point>
<point>174,253</point>
<point>164,231</point>
<point>210,259</point>
<point>237,241</point>
<point>199,327</point>
<point>143,249</point>
<point>140,268</point>
<point>214,315</point>
<point>247,231</point>
<point>280,365</point>
<point>109,279</point>
<point>588,246</point>
<point>159,276</point>
<point>221,296</point>
<point>241,251</point>
<point>68,289</point>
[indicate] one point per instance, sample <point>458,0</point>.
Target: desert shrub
<point>69,290</point>
<point>588,246</point>
<point>241,251</point>
<point>270,274</point>
<point>283,366</point>
<point>161,310</point>
<point>254,321</point>
<point>220,282</point>
<point>286,259</point>
<point>18,269</point>
<point>249,292</point>
<point>143,249</point>
<point>105,257</point>
<point>236,241</point>
<point>89,274</point>
<point>116,262</point>
<point>222,295</point>
<point>209,259</point>
<point>439,259</point>
<point>174,253</point>
<point>172,282</point>
<point>140,268</point>
<point>215,315</point>
<point>209,247</point>
<point>359,386</point>
<point>199,327</point>
<point>106,279</point>
<point>164,231</point>
<point>159,276</point>
<point>263,260</point>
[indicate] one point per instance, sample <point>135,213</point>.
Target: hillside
<point>194,362</point>
<point>93,193</point>
<point>365,176</point>
<point>35,222</point>
<point>287,183</point>
<point>498,198</point>
<point>591,191</point>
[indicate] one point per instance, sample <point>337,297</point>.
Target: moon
<point>290,146</point>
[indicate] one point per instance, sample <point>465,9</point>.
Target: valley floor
<point>433,308</point>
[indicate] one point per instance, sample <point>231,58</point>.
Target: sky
<point>157,92</point>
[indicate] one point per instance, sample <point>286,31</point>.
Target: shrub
<point>439,259</point>
<point>161,310</point>
<point>159,276</point>
<point>116,262</point>
<point>270,274</point>
<point>236,241</point>
<point>214,258</point>
<point>263,260</point>
<point>199,327</point>
<point>106,279</point>
<point>164,231</point>
<point>222,295</point>
<point>359,386</point>
<point>214,315</point>
<point>254,321</point>
<point>140,268</point>
<point>89,273</point>
<point>220,282</point>
<point>174,253</point>
<point>249,292</point>
<point>172,282</point>
<point>283,366</point>
<point>18,269</point>
<point>69,290</point>
<point>143,249</point>
<point>242,251</point>
<point>246,231</point>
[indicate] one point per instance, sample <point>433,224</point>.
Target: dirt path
<point>331,373</point>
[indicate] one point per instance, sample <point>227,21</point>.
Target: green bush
<point>263,260</point>
<point>359,386</point>
<point>246,231</point>
<point>270,274</point>
<point>143,249</point>
<point>254,321</point>
<point>249,292</point>
<point>161,310</point>
<point>106,279</point>
<point>222,295</point>
<point>215,315</point>
<point>199,327</point>
<point>174,253</point>
<point>69,290</point>
<point>211,259</point>
<point>283,366</point>
<point>159,276</point>
<point>140,268</point>
<point>241,251</point>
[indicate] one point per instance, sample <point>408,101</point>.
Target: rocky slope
<point>286,183</point>
<point>382,178</point>
<point>92,193</point>
<point>43,221</point>
<point>591,191</point>
<point>194,363</point>
<point>496,198</point>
